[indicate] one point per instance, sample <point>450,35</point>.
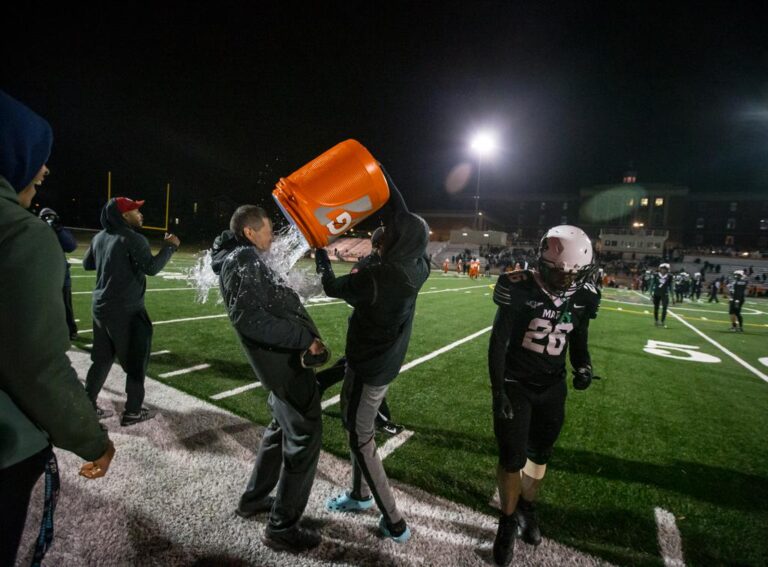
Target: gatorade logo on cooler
<point>343,221</point>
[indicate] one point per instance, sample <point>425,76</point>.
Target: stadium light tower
<point>483,145</point>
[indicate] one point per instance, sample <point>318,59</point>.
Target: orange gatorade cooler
<point>333,192</point>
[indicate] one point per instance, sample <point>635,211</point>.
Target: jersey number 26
<point>542,337</point>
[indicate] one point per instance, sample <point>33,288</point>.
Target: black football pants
<point>129,338</point>
<point>664,301</point>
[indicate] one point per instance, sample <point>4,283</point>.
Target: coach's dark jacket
<point>272,324</point>
<point>383,295</point>
<point>122,258</point>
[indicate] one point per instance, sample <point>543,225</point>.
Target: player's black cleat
<point>527,522</point>
<point>504,544</point>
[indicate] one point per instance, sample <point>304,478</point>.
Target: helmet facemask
<point>565,260</point>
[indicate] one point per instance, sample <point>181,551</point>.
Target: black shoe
<point>504,544</point>
<point>527,523</point>
<point>132,418</point>
<point>252,510</point>
<point>103,413</point>
<point>389,427</point>
<point>295,539</point>
<point>73,335</point>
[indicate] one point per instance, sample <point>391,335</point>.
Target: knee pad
<point>534,470</point>
<point>540,456</point>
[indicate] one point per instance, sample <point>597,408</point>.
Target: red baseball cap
<point>124,204</point>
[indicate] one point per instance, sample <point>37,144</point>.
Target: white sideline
<point>184,371</point>
<point>670,544</point>
<point>236,391</point>
<point>148,290</point>
<point>335,399</point>
<point>745,364</point>
<point>159,352</point>
<point>394,442</point>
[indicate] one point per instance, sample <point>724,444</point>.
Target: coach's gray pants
<point>359,406</point>
<point>287,458</point>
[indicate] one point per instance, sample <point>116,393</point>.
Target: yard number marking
<point>678,351</point>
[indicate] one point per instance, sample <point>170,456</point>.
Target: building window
<point>700,222</point>
<point>563,219</point>
<point>734,206</point>
<point>659,202</point>
<point>763,224</point>
<point>565,206</point>
<point>644,202</point>
<point>543,205</point>
<point>729,240</point>
<point>730,224</point>
<point>542,219</point>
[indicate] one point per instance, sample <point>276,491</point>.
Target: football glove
<point>582,378</point>
<point>322,261</point>
<point>502,406</point>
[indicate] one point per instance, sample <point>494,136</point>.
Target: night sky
<point>221,99</point>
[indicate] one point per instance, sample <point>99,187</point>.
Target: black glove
<point>582,378</point>
<point>53,220</point>
<point>322,261</point>
<point>502,406</point>
<point>309,360</point>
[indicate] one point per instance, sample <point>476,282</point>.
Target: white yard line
<point>668,535</point>
<point>738,359</point>
<point>394,442</point>
<point>335,399</point>
<point>184,370</point>
<point>154,289</point>
<point>236,391</point>
<point>159,352</point>
<point>173,321</point>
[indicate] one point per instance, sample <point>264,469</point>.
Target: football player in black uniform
<point>737,291</point>
<point>660,288</point>
<point>540,311</point>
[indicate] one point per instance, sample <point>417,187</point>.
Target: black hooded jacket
<point>383,295</point>
<point>272,324</point>
<point>122,259</point>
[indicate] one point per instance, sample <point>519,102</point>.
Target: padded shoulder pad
<point>590,296</point>
<point>511,286</point>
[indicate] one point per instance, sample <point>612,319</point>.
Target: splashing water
<point>288,246</point>
<point>201,276</point>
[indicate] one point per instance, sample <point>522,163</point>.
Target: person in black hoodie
<point>68,244</point>
<point>280,341</point>
<point>122,259</point>
<point>384,300</point>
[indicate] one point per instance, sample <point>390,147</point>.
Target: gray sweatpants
<point>359,406</point>
<point>287,458</point>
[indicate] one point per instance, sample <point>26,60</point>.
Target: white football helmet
<point>565,259</point>
<point>664,266</point>
<point>738,273</point>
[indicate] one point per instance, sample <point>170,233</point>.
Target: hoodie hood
<point>222,246</point>
<point>406,239</point>
<point>111,218</point>
<point>25,142</point>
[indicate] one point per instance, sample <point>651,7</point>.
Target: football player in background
<point>737,291</point>
<point>539,312</point>
<point>696,287</point>
<point>661,284</point>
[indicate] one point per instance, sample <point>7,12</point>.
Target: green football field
<point>679,421</point>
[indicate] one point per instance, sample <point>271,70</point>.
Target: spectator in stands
<point>384,301</point>
<point>68,244</point>
<point>41,401</point>
<point>122,259</point>
<point>281,342</point>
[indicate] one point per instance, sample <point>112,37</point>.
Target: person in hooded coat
<point>384,300</point>
<point>280,341</point>
<point>41,400</point>
<point>122,259</point>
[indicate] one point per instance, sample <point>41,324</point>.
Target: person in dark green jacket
<point>122,259</point>
<point>41,400</point>
<point>383,296</point>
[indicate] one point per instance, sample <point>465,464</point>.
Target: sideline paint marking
<point>236,391</point>
<point>159,352</point>
<point>184,370</point>
<point>746,365</point>
<point>335,399</point>
<point>394,442</point>
<point>148,290</point>
<point>764,361</point>
<point>668,535</point>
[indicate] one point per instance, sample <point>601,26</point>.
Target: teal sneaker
<point>402,538</point>
<point>345,503</point>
